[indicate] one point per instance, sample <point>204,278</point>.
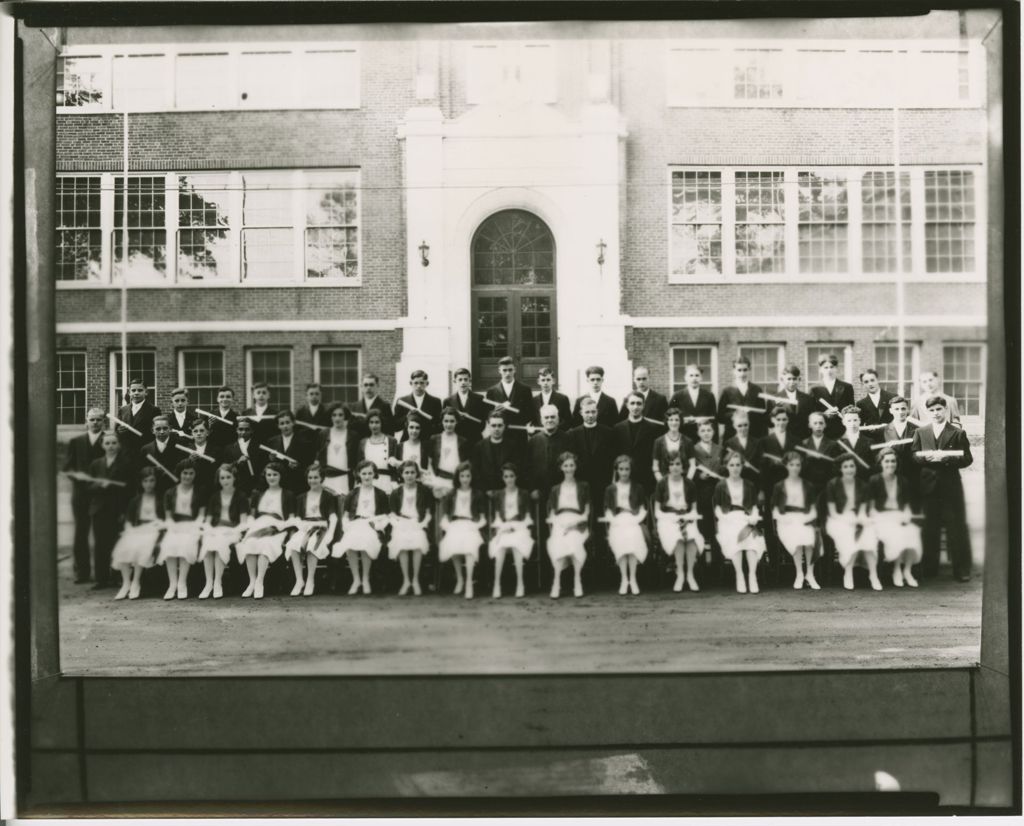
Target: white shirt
<point>408,508</point>
<point>201,449</point>
<point>137,407</point>
<point>147,508</point>
<point>463,504</point>
<point>366,505</point>
<point>545,399</point>
<point>418,400</point>
<point>463,399</point>
<point>312,410</point>
<point>93,437</point>
<point>508,389</point>
<point>260,410</point>
<point>595,396</point>
<point>875,397</point>
<point>622,496</point>
<point>271,502</point>
<point>411,452</point>
<point>512,503</point>
<point>735,491</point>
<point>180,418</point>
<point>243,447</point>
<point>183,501</point>
<point>795,493</point>
<point>677,494</point>
<point>937,430</point>
<point>790,394</point>
<point>162,446</point>
<point>312,506</point>
<point>567,497</point>
<point>743,387</point>
<point>693,395</point>
<point>829,387</point>
<point>817,442</point>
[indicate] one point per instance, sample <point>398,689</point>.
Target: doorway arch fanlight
<point>513,295</point>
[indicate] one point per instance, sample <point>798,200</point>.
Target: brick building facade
<point>310,203</point>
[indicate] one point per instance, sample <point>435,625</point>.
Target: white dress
<point>309,535</point>
<point>569,532</point>
<point>735,522</point>
<point>406,533</point>
<point>181,539</point>
<point>359,534</point>
<point>462,536</point>
<point>624,532</point>
<point>137,543</point>
<point>792,527</point>
<point>670,531</point>
<point>513,534</point>
<point>266,533</point>
<point>378,454</point>
<point>843,530</point>
<point>895,530</point>
<point>219,539</point>
<point>443,478</point>
<point>337,458</point>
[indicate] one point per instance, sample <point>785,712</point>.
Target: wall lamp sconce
<point>601,247</point>
<point>425,254</point>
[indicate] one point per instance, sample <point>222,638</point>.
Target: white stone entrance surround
<point>514,156</point>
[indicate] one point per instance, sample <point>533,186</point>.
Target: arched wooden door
<point>513,296</point>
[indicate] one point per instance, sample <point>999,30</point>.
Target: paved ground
<point>938,625</point>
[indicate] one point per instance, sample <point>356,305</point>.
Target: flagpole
<point>901,333</point>
<point>124,265</point>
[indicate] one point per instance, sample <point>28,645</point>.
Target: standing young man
<point>467,403</point>
<point>742,393</point>
<point>548,395</point>
<point>897,430</point>
<point>655,404</point>
<point>161,448</point>
<point>370,400</point>
<point>799,403</point>
<point>694,402</point>
<point>420,401</point>
<point>313,411</point>
<point>139,413</point>
<point>874,407</point>
<point>831,395</point>
<point>181,416</point>
<point>512,393</point>
<point>83,450</point>
<point>262,417</point>
<point>223,433</point>
<point>607,411</point>
<point>942,490</point>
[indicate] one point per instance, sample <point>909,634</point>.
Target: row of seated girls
<point>182,528</point>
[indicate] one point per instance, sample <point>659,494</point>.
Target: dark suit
<point>488,458</point>
<point>655,406</point>
<point>250,473</point>
<point>907,468</point>
<point>185,426</point>
<point>636,440</point>
<point>522,400</point>
<point>751,454</point>
<point>942,493</point>
<point>705,406</point>
<point>221,434</point>
<point>359,410</point>
<point>607,412</point>
<point>594,451</point>
<point>431,405</point>
<point>107,506</point>
<point>321,418</point>
<point>773,472</point>
<point>542,466</point>
<point>265,429</point>
<point>869,414</point>
<point>432,451</point>
<point>559,400</point>
<point>840,397</point>
<point>798,413</point>
<point>169,457</point>
<point>81,454</point>
<point>141,421</point>
<point>294,476</point>
<point>863,450</point>
<point>206,472</point>
<point>817,472</point>
<point>476,407</point>
<point>758,421</point>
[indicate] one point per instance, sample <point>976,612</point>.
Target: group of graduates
<point>795,475</point>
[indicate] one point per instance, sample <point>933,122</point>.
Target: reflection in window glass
<point>760,222</point>
<point>79,237</point>
<point>204,248</point>
<point>949,220</point>
<point>147,235</point>
<point>81,80</point>
<point>696,223</point>
<point>823,222</point>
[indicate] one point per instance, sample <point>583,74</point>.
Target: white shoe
<point>207,590</point>
<point>257,591</point>
<point>897,576</point>
<point>218,590</point>
<point>182,590</point>
<point>416,590</point>
<point>297,587</point>
<point>248,591</point>
<point>406,587</point>
<point>124,591</point>
<point>520,590</point>
<point>496,593</point>
<point>308,590</point>
<point>741,585</point>
<point>577,589</point>
<point>798,583</point>
<point>813,583</point>
<point>169,593</point>
<point>634,588</point>
<point>909,577</point>
<point>366,586</point>
<point>469,589</point>
<point>678,587</point>
<point>753,587</point>
<point>848,580</point>
<point>135,590</point>
<point>354,588</point>
<point>876,584</point>
<point>623,588</point>
<point>556,591</point>
<point>691,583</point>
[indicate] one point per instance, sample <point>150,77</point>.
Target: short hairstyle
<point>791,369</point>
<point>409,463</point>
<point>548,409</point>
<point>595,370</point>
<point>866,371</point>
<point>733,454</point>
<point>511,466</point>
<point>496,414</point>
<point>137,380</point>
<point>814,413</point>
<point>375,414</point>
<point>640,367</point>
<point>339,406</point>
<point>445,411</point>
<point>415,418</point>
<point>146,473</point>
<point>229,467</point>
<point>94,410</point>
<point>366,463</point>
<point>107,434</point>
<point>587,401</point>
<point>225,389</point>
<point>673,411</point>
<point>696,367</point>
<point>565,456</point>
<point>275,466</point>
<point>188,463</point>
<point>506,361</point>
<point>163,417</point>
<point>199,423</point>
<point>284,414</point>
<point>705,423</point>
<point>736,362</point>
<point>261,384</point>
<point>888,451</point>
<point>790,455</point>
<point>313,385</point>
<point>740,417</point>
<point>675,458</point>
<point>621,459</point>
<point>179,391</point>
<point>462,371</point>
<point>314,466</point>
<point>779,408</point>
<point>634,395</point>
<point>928,373</point>
<point>372,376</point>
<point>828,358</point>
<point>935,401</point>
<point>418,374</point>
<point>850,408</point>
<point>462,468</point>
<point>545,371</point>
<point>847,457</point>
<point>898,400</point>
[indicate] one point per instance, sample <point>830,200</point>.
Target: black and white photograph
<point>527,409</point>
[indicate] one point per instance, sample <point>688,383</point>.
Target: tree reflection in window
<point>204,248</point>
<point>513,247</point>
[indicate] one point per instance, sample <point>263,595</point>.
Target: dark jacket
<point>607,411</point>
<point>475,407</point>
<point>559,400</point>
<point>752,398</point>
<point>594,463</point>
<point>840,397</point>
<point>705,407</point>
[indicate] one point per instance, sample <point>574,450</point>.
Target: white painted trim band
<point>234,326</point>
<point>761,321</point>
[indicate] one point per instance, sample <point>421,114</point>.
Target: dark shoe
<point>963,577</point>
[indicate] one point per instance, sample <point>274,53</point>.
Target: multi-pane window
<point>757,74</point>
<point>204,245</point>
<point>142,366</point>
<point>337,372</point>
<point>696,222</point>
<point>878,216</point>
<point>268,232</point>
<point>766,362</point>
<point>70,388</point>
<point>332,217</point>
<point>273,368</point>
<point>147,233</point>
<point>760,222</point>
<point>963,376</point>
<point>840,351</point>
<point>949,220</point>
<point>822,222</point>
<point>79,231</point>
<point>81,80</point>
<point>201,372</point>
<point>703,357</point>
<point>887,365</point>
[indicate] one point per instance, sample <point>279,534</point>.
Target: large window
<point>274,368</point>
<point>842,352</point>
<point>71,388</point>
<point>887,365</point>
<point>201,372</point>
<point>209,76</point>
<point>963,376</point>
<point>221,228</point>
<point>336,370</point>
<point>825,73</point>
<point>766,362</point>
<point>705,357</point>
<point>141,365</point>
<point>835,223</point>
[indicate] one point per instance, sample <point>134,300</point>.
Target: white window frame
<point>694,346</point>
<point>812,369</point>
<point>114,377</point>
<point>915,362</point>
<point>169,52</point>
<point>780,358</point>
<point>724,50</point>
<point>511,57</point>
<point>181,364</point>
<point>854,272</point>
<point>975,423</point>
<point>57,389</point>
<point>275,404</point>
<point>335,347</point>
<point>235,227</point>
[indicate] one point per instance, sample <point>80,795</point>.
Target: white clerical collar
<point>590,426</point>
